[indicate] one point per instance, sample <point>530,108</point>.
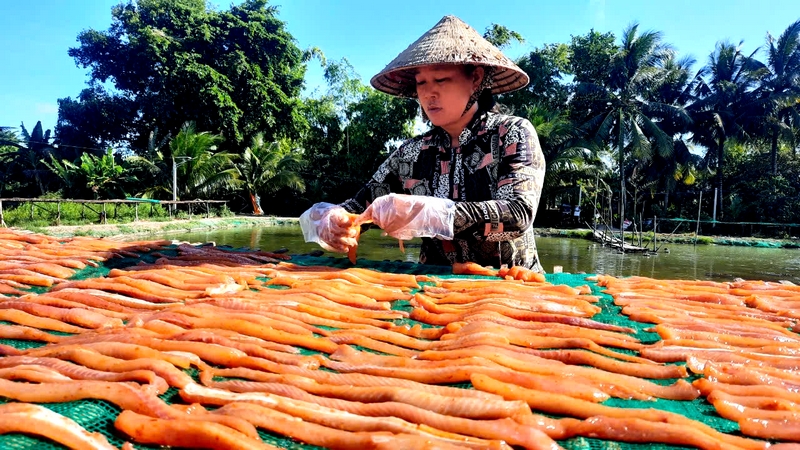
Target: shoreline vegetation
<point>132,229</point>
<point>629,127</point>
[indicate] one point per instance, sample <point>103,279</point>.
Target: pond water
<point>710,262</point>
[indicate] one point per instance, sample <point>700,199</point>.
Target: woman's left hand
<point>410,216</point>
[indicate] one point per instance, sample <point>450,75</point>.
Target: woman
<point>470,186</point>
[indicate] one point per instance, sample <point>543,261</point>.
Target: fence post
<point>136,212</point>
<point>714,217</point>
<point>699,210</point>
<point>2,220</point>
<point>103,221</point>
<point>31,210</point>
<point>58,213</point>
<point>655,233</point>
<point>208,211</point>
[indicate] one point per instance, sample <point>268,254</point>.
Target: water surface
<point>711,262</point>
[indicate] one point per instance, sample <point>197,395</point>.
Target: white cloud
<point>598,10</point>
<point>46,108</point>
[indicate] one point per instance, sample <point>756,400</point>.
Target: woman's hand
<point>331,226</point>
<point>410,216</point>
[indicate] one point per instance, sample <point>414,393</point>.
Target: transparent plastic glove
<point>410,216</point>
<point>330,226</point>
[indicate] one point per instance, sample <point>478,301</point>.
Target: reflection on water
<point>703,262</point>
<point>722,263</point>
<point>371,244</point>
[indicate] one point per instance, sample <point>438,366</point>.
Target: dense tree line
<point>215,96</point>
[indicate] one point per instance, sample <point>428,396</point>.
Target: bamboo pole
<point>655,233</point>
<point>699,208</point>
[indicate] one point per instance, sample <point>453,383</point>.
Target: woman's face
<point>443,92</point>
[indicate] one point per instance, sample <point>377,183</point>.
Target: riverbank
<point>684,238</point>
<point>131,230</point>
<point>142,229</point>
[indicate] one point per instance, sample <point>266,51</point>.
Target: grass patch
<point>34,216</point>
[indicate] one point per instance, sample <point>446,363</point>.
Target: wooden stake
<point>699,208</point>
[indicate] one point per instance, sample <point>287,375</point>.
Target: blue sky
<point>35,35</point>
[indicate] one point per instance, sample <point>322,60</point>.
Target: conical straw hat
<point>451,41</point>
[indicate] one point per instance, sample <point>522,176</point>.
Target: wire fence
<point>101,210</point>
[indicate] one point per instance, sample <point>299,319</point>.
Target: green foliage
<point>501,36</point>
<point>724,108</point>
<point>224,211</point>
<point>21,158</point>
<point>375,123</point>
<point>571,158</point>
<point>629,121</point>
<point>546,67</point>
<point>352,129</point>
<point>204,171</point>
<point>47,214</point>
<point>101,175</point>
<point>267,167</point>
<point>152,168</point>
<point>95,119</point>
<point>625,118</point>
<point>591,56</point>
<point>9,147</point>
<point>590,63</point>
<point>236,71</point>
<point>778,91</point>
<point>67,172</point>
<point>756,194</point>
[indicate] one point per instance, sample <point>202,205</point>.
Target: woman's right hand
<point>331,226</point>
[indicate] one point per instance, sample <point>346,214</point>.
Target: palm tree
<point>101,175</point>
<point>663,172</point>
<point>28,154</point>
<point>570,158</point>
<point>627,118</point>
<point>725,104</point>
<point>202,170</point>
<point>780,87</point>
<point>37,148</point>
<point>68,173</point>
<point>153,168</point>
<point>266,167</point>
<point>9,147</point>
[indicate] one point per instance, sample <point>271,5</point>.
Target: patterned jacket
<point>495,177</point>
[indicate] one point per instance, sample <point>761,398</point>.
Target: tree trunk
<point>774,153</point>
<point>39,181</point>
<point>256,201</point>
<point>620,146</point>
<point>720,167</point>
<point>622,199</point>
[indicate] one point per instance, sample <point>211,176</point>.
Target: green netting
<point>99,416</point>
<point>772,224</point>
<point>754,243</point>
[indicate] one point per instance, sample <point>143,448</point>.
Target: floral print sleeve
<point>495,177</point>
<point>520,175</point>
<point>383,182</point>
